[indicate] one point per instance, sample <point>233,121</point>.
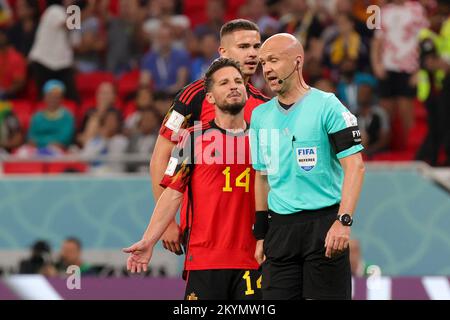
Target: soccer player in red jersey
<point>212,161</point>
<point>239,40</point>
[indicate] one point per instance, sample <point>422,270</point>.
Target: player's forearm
<point>353,180</point>
<point>164,213</point>
<point>158,164</point>
<point>261,191</point>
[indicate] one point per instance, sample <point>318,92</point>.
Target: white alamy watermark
<point>73,21</point>
<point>374,20</point>
<point>73,281</point>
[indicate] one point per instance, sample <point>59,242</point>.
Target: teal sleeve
<point>255,147</point>
<point>350,151</point>
<point>339,118</point>
<point>67,130</point>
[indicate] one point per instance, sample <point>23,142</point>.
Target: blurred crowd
<point>43,260</point>
<point>104,88</point>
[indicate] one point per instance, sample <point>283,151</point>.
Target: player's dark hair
<point>217,65</point>
<point>74,240</point>
<point>237,25</point>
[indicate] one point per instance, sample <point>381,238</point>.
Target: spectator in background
<point>5,13</point>
<point>257,11</point>
<point>165,12</point>
<point>23,31</point>
<point>433,87</point>
<point>209,45</point>
<point>40,260</point>
<point>108,141</point>
<point>106,97</point>
<point>122,52</point>
<point>144,101</point>
<point>71,255</point>
<point>88,41</point>
<point>12,69</point>
<point>54,126</point>
<point>52,54</point>
<point>11,135</point>
<point>215,15</point>
<point>347,44</point>
<point>303,23</point>
<point>165,67</point>
<point>373,122</point>
<point>395,58</point>
<point>350,79</point>
<point>325,84</point>
<point>143,138</point>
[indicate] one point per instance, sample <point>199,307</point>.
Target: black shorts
<point>226,284</point>
<point>396,84</point>
<point>296,267</point>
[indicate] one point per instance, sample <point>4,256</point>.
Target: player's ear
<point>222,52</point>
<point>210,98</point>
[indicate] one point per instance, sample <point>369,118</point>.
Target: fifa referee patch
<point>350,119</point>
<point>175,121</point>
<point>171,166</point>
<point>307,158</point>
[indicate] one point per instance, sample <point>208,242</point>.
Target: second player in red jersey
<point>212,162</point>
<point>240,41</point>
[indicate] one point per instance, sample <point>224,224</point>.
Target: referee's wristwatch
<point>345,219</point>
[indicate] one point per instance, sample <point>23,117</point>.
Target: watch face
<point>346,219</point>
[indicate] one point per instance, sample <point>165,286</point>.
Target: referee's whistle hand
<point>259,252</point>
<point>337,239</point>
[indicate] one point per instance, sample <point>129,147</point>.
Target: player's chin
<point>248,71</point>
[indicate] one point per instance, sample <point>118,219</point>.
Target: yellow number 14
<point>243,180</point>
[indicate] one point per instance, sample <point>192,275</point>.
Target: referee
<point>306,151</point>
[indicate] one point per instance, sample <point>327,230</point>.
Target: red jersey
<point>190,106</point>
<point>215,165</point>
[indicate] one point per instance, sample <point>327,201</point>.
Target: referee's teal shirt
<point>293,146</point>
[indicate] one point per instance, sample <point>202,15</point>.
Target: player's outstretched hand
<point>140,255</point>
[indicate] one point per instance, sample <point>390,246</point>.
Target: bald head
<point>285,44</point>
<point>281,57</point>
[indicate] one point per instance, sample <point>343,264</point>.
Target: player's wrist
<point>261,224</point>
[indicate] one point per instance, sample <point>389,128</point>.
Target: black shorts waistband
<point>302,216</point>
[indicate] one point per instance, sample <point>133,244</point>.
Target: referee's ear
<point>210,98</point>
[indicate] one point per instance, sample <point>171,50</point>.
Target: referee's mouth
<point>272,80</point>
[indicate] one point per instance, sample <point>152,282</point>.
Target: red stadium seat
<point>87,83</point>
<point>64,167</point>
<point>23,167</point>
<point>128,83</point>
<point>129,109</point>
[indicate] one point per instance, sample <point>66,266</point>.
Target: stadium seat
<point>23,167</point>
<point>128,84</point>
<point>87,83</point>
<point>66,167</point>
